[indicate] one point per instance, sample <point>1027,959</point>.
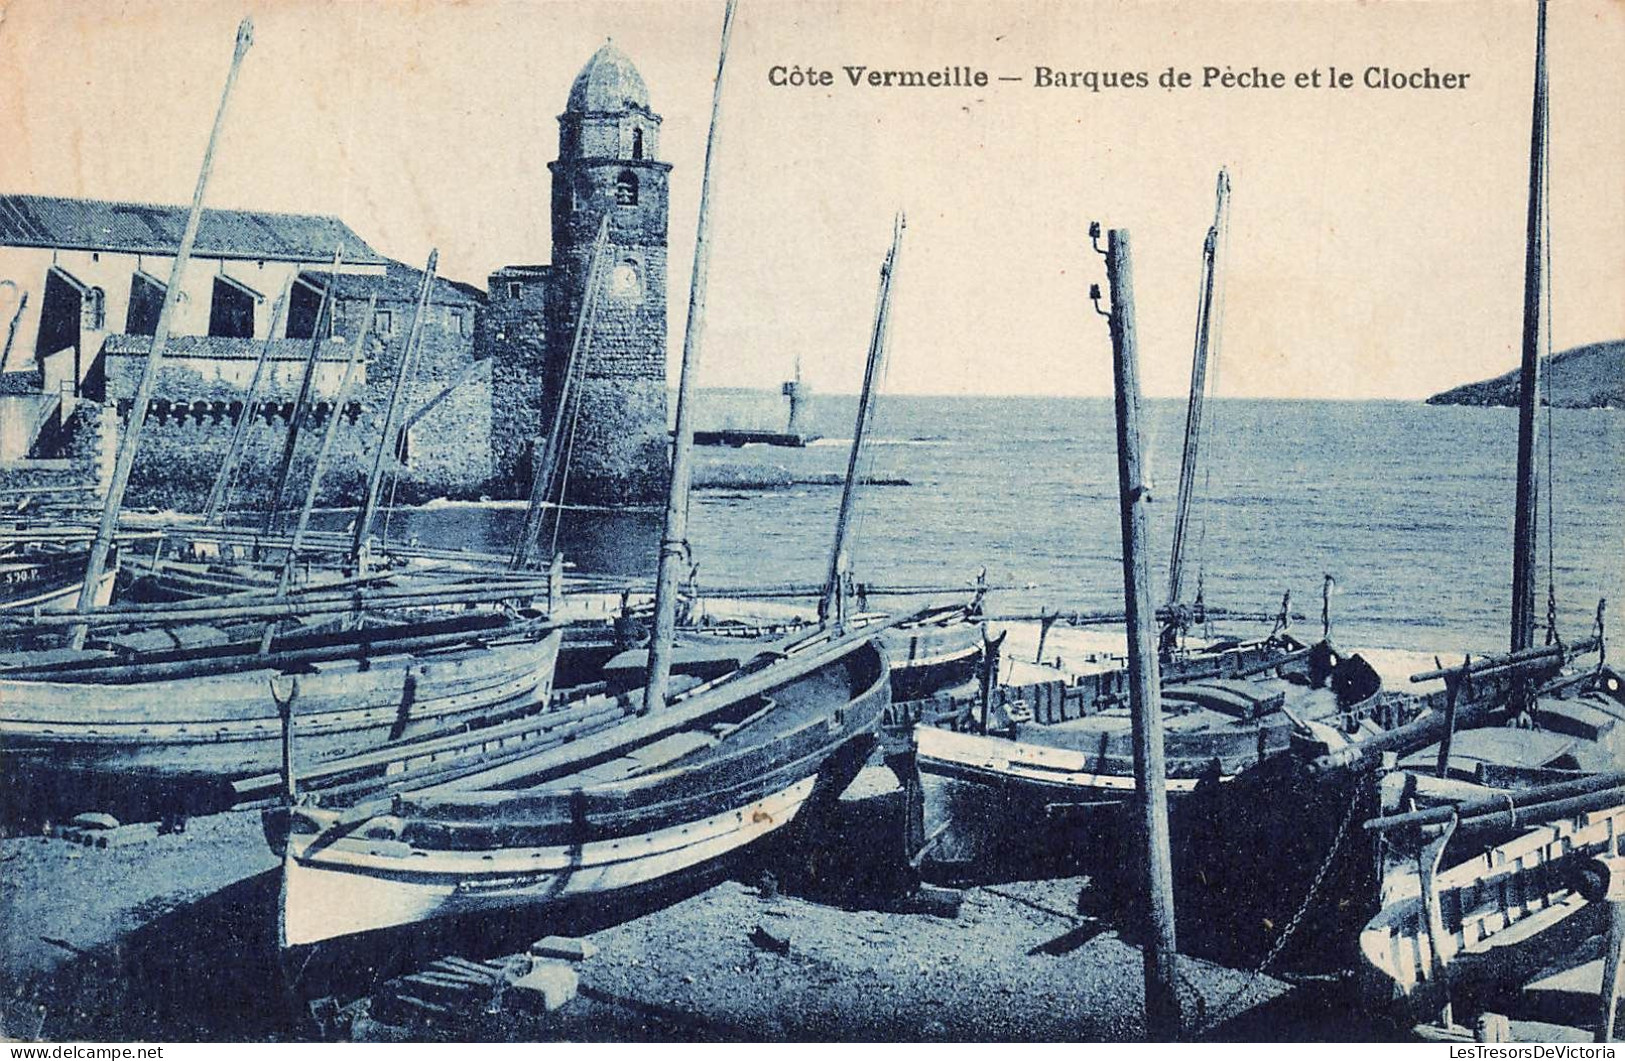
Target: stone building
<point>81,283</point>
<point>608,163</point>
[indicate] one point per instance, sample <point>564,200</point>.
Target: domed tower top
<point>608,84</point>
<point>607,115</point>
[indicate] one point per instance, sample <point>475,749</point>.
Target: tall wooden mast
<point>245,422</point>
<point>674,539</point>
<point>1206,344</point>
<point>547,469</point>
<point>1524,545</point>
<point>301,404</point>
<point>124,463</point>
<point>1162,1015</point>
<point>833,604</point>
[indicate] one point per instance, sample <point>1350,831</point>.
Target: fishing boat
<point>1486,831</point>
<point>49,579</point>
<point>154,711</point>
<point>667,793</point>
<point>164,732</point>
<point>997,792</point>
<point>1468,919</point>
<point>695,778</point>
<point>996,782</point>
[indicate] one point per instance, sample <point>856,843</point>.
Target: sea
<point>1408,507</point>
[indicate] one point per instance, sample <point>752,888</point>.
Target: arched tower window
<point>626,189</point>
<point>637,143</point>
<point>95,309</point>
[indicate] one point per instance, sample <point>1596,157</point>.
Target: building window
<point>578,197</point>
<point>304,304</point>
<point>231,313</point>
<point>513,289</point>
<point>146,303</point>
<point>95,309</point>
<point>383,322</point>
<point>459,321</point>
<point>626,189</point>
<point>637,143</point>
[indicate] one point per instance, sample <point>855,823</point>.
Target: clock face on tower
<point>624,282</point>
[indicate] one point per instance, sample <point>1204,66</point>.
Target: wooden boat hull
<point>321,902</point>
<point>52,584</point>
<point>1487,908</point>
<point>203,731</point>
<point>928,658</point>
<point>464,850</point>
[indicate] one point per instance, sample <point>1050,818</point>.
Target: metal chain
<point>1223,1012</point>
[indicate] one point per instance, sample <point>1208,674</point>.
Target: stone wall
<point>513,336</point>
<point>190,424</point>
<point>85,458</point>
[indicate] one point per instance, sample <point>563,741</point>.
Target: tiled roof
<point>137,228</point>
<point>400,283</point>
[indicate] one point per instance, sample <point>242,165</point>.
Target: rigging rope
<point>1215,363</point>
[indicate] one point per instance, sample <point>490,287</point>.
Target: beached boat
<point>661,795</point>
<point>168,730</point>
<point>993,793</point>
<point>1487,833</point>
<point>1466,917</point>
<point>49,580</point>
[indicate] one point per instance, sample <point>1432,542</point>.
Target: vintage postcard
<point>785,520</point>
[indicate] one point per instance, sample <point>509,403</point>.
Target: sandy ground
<point>172,940</point>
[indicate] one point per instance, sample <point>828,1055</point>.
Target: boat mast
<point>239,435</point>
<point>674,539</point>
<point>545,471</point>
<point>389,445</point>
<point>1524,546</point>
<point>833,603</point>
<point>1162,1012</point>
<point>1206,344</point>
<point>357,356</point>
<point>124,463</point>
<point>301,404</point>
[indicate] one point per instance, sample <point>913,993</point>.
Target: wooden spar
<point>370,643</point>
<point>357,357</point>
<point>1162,1018</point>
<point>1529,659</point>
<point>324,309</point>
<point>1499,801</point>
<point>546,469</point>
<point>1524,548</point>
<point>388,445</point>
<point>1206,343</point>
<point>239,434</point>
<point>292,607</point>
<point>833,604</point>
<point>674,538</point>
<point>124,463</point>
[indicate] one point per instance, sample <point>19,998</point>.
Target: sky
<point>1376,239</point>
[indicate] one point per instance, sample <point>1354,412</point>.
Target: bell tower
<point>609,163</point>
